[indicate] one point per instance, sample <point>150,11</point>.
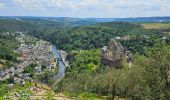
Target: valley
<point>83,59</point>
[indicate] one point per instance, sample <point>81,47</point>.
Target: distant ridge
<point>137,19</point>
<point>133,19</point>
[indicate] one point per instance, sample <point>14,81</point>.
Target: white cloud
<point>91,7</point>
<point>71,4</point>
<point>95,4</point>
<point>30,4</point>
<point>146,4</point>
<point>2,5</point>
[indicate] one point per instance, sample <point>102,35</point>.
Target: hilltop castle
<point>113,54</point>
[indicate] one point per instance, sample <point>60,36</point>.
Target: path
<point>41,96</point>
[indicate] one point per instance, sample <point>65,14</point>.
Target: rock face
<point>113,54</point>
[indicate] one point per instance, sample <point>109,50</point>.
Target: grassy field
<point>156,25</point>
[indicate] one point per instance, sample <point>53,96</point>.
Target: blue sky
<point>85,8</point>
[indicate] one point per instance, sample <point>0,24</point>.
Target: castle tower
<point>113,54</point>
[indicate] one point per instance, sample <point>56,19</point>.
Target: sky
<point>85,8</point>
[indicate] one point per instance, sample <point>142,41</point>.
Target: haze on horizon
<point>85,8</point>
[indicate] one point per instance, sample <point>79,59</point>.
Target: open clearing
<point>156,25</point>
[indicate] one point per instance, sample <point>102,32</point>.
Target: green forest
<point>146,79</point>
<point>7,46</point>
<point>87,78</point>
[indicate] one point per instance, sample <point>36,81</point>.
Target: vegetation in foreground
<point>146,79</point>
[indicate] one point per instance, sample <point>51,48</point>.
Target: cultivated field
<point>156,25</point>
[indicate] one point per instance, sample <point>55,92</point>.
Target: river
<point>61,71</point>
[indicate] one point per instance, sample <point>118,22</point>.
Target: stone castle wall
<point>113,54</point>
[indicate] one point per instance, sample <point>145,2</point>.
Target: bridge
<point>59,59</point>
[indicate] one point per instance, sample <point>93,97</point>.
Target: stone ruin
<point>113,55</point>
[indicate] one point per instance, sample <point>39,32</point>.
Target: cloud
<point>30,4</point>
<point>164,4</point>
<point>94,4</point>
<point>2,5</point>
<point>146,4</point>
<point>94,7</point>
<point>62,4</point>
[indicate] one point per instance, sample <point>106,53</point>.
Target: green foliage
<point>7,46</point>
<point>30,69</point>
<point>68,37</point>
<point>146,79</point>
<point>87,96</point>
<point>139,44</point>
<point>84,61</point>
<point>23,91</point>
<point>155,71</point>
<point>3,89</point>
<point>90,37</point>
<point>24,94</point>
<point>47,77</point>
<point>97,36</point>
<point>10,79</point>
<point>50,95</point>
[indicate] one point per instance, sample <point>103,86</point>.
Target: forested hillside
<point>145,79</point>
<point>7,46</point>
<point>96,36</point>
<point>40,24</point>
<point>87,78</point>
<point>64,33</point>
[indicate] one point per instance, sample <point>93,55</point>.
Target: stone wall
<point>113,54</point>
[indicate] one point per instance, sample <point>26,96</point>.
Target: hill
<point>87,77</point>
<point>7,45</point>
<point>135,19</point>
<point>27,23</point>
<point>75,33</point>
<point>98,35</point>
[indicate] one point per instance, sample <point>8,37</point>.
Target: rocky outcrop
<point>113,54</point>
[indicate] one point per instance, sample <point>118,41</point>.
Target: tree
<point>148,78</point>
<point>155,71</point>
<point>47,77</point>
<point>50,95</point>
